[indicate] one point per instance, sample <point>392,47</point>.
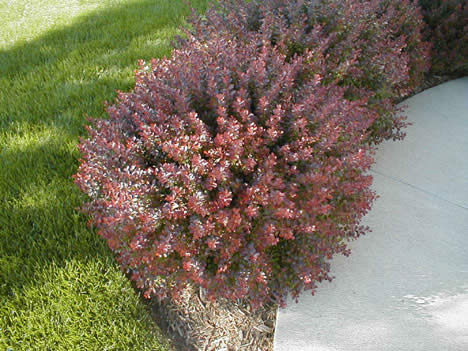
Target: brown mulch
<point>195,324</point>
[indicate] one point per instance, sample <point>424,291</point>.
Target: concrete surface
<point>405,285</point>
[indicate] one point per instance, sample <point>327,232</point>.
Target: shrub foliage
<point>370,46</point>
<point>238,164</point>
<point>230,167</point>
<point>447,29</point>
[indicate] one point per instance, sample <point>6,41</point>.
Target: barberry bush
<point>370,46</point>
<point>231,166</point>
<point>447,30</point>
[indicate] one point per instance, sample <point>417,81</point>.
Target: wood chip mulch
<point>195,324</point>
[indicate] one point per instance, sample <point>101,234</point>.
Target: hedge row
<point>239,164</point>
<point>371,47</point>
<point>447,30</point>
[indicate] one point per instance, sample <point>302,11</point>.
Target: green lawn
<point>60,288</point>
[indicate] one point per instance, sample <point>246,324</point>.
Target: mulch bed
<point>195,324</point>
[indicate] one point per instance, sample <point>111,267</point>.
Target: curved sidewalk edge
<point>405,285</point>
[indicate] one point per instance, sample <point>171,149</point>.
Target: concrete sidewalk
<point>405,285</point>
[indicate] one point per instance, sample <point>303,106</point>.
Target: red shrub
<point>231,167</point>
<point>369,46</point>
<point>447,29</point>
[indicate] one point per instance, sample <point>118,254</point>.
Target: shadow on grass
<point>100,49</point>
<point>48,86</point>
<point>110,30</point>
<point>39,223</point>
<point>53,82</point>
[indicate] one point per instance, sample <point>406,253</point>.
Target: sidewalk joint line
<point>417,188</point>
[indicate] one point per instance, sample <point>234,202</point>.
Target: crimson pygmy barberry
<point>231,166</point>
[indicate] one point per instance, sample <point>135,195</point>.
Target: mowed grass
<point>60,288</point>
